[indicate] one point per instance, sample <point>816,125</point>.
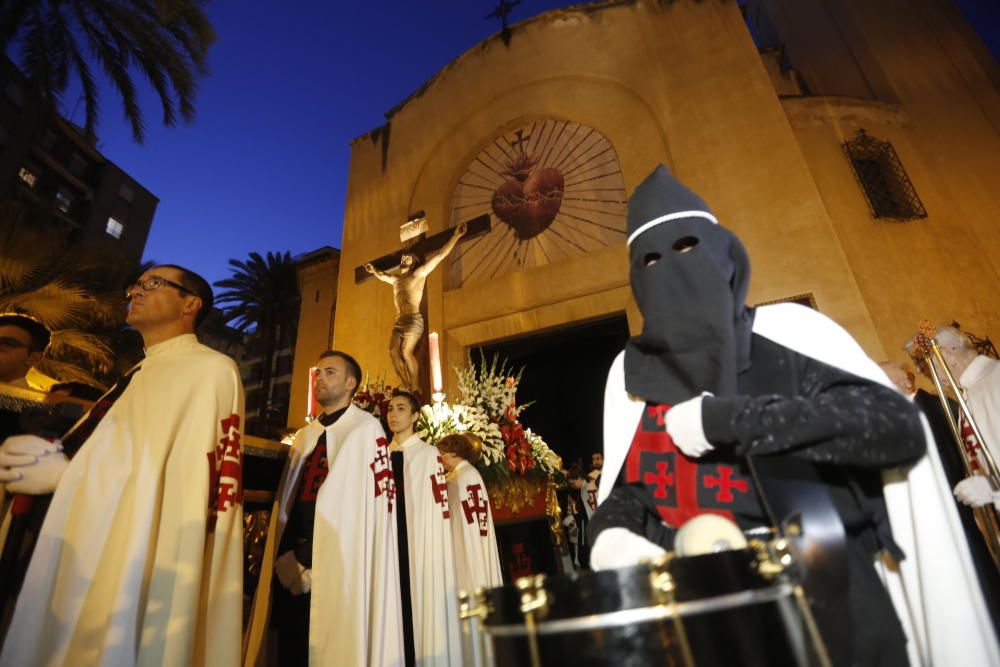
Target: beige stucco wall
<point>939,105</point>
<point>679,83</point>
<point>318,286</point>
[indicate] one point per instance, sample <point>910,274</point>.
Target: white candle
<point>311,397</point>
<point>435,355</point>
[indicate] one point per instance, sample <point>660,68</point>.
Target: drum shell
<point>730,614</point>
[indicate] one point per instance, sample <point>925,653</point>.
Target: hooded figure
<point>713,397</point>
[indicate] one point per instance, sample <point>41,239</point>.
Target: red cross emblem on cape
<point>317,468</point>
<point>683,488</point>
<point>385,483</point>
<point>440,487</point>
<point>475,508</point>
<point>225,471</point>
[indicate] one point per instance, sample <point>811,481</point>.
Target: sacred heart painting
<point>553,189</point>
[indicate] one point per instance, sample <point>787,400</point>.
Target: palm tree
<point>262,298</point>
<point>62,290</point>
<point>165,40</point>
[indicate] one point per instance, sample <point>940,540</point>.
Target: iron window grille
<point>888,190</point>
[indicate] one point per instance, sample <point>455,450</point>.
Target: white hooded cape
<point>477,558</point>
<point>433,591</point>
<point>128,568</point>
<point>935,590</point>
<point>355,616</point>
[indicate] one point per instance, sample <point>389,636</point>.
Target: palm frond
<point>68,372</point>
<point>24,255</point>
<point>58,304</point>
<point>80,346</point>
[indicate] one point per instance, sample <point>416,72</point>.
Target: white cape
<point>982,385</point>
<point>935,590</point>
<point>433,591</point>
<point>354,610</point>
<point>128,569</point>
<point>477,558</point>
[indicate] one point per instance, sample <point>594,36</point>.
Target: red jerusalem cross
<point>661,479</point>
<point>724,483</point>
<point>440,487</point>
<point>476,510</point>
<point>384,481</point>
<point>658,411</point>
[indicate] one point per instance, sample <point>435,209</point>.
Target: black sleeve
<point>837,418</point>
<point>628,506</point>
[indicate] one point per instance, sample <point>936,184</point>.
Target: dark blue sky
<point>264,166</point>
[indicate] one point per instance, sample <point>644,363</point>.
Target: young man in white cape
<point>332,538</point>
<point>140,557</point>
<point>477,558</point>
<point>711,385</point>
<point>427,561</point>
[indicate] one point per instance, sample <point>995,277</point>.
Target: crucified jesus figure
<point>408,289</point>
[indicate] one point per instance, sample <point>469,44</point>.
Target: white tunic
<point>128,568</point>
<point>354,609</point>
<point>477,559</point>
<point>982,383</point>
<point>433,592</point>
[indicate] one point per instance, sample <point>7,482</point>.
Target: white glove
<point>294,577</point>
<point>684,428</point>
<point>976,491</point>
<point>620,547</point>
<point>32,465</point>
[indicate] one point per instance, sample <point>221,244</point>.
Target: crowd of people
<point>751,414</point>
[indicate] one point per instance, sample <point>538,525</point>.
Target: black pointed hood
<point>690,278</point>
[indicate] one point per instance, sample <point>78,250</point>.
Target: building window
<point>14,94</point>
<point>77,165</point>
<point>48,141</point>
<point>28,176</point>
<point>114,228</point>
<point>126,193</point>
<point>64,200</point>
<point>887,188</point>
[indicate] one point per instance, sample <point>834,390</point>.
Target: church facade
<point>854,148</point>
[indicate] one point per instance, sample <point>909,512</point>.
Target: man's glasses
<point>153,283</point>
<point>8,344</point>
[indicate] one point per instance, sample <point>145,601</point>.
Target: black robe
<point>809,422</point>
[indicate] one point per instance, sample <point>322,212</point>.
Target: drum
<point>728,608</point>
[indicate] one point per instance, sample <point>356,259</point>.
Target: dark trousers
<point>290,617</point>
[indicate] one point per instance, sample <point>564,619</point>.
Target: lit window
<point>114,228</point>
<point>126,193</point>
<point>28,176</point>
<point>64,200</point>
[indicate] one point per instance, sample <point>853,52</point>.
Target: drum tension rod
<point>663,583</point>
<point>533,599</point>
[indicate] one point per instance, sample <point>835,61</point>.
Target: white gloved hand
<point>685,429</point>
<point>620,547</point>
<point>976,491</point>
<point>294,577</point>
<point>32,465</point>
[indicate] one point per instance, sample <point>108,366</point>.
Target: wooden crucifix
<point>407,270</point>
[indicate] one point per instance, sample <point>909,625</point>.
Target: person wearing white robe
<point>477,559</point>
<point>431,572</point>
<point>980,377</point>
<point>353,578</point>
<point>140,558</point>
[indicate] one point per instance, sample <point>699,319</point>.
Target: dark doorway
<point>564,375</point>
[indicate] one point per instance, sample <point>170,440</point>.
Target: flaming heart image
<point>530,198</point>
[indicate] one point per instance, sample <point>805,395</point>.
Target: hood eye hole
<point>651,258</point>
<point>685,244</point>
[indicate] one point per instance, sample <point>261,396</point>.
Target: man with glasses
<point>23,340</point>
<point>139,560</point>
